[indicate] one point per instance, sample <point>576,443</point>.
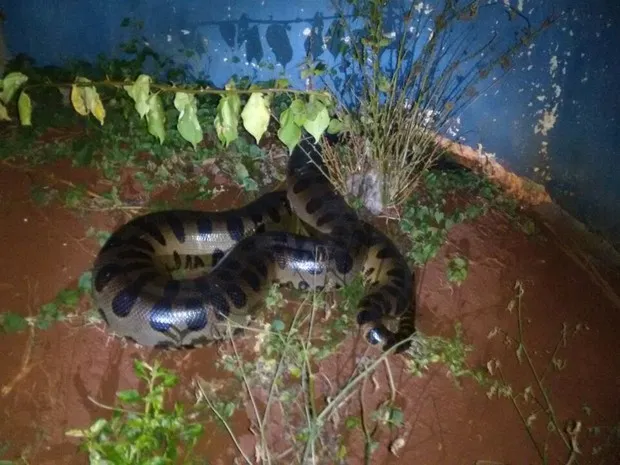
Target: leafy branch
<point>309,110</point>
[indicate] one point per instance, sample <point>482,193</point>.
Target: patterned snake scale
<point>247,249</point>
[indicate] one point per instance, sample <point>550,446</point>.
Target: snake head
<point>379,335</point>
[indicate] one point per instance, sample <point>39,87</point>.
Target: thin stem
<point>174,88</point>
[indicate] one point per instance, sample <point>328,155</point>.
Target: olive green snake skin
<point>248,249</point>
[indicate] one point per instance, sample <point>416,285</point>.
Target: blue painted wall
<point>554,117</point>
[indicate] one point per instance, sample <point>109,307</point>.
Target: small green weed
<point>274,299</point>
<point>42,195</point>
<point>142,431</point>
<point>458,267</point>
<point>452,353</point>
<point>60,309</point>
<point>100,236</point>
<point>438,206</point>
<point>75,197</point>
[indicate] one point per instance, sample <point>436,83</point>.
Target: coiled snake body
<point>249,248</point>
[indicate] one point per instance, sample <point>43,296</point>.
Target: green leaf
<point>396,416</point>
<point>229,410</point>
<point>10,84</point>
<point>277,325</point>
<point>289,132</point>
<point>12,322</point>
<point>4,114</point>
<point>227,118</point>
<point>241,172</point>
<point>141,369</point>
<point>298,110</point>
<point>139,91</point>
<point>282,83</point>
<point>335,126</point>
<point>156,118</point>
<point>158,461</point>
<point>72,433</point>
<point>317,126</point>
<point>312,109</point>
<point>131,396</point>
<point>188,125</point>
<point>24,106</point>
<point>194,430</point>
<point>98,426</point>
<point>256,115</point>
<point>352,422</point>
<point>68,297</point>
<point>85,282</point>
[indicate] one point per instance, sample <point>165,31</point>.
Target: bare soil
<point>47,376</point>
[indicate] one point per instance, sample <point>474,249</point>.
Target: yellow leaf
<point>139,92</point>
<point>318,124</point>
<point>77,100</point>
<point>24,106</point>
<point>187,124</point>
<point>156,118</point>
<point>94,104</point>
<point>10,84</point>
<point>256,116</point>
<point>226,120</point>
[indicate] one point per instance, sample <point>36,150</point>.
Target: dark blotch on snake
<point>139,243</point>
<point>236,295</point>
<point>161,316</point>
<point>234,224</point>
<point>274,214</point>
<point>124,301</point>
<point>223,275</point>
<point>231,264</point>
<point>205,227</point>
<point>202,284</point>
<point>397,273</point>
<point>151,229</point>
<point>368,316</point>
<point>344,262</point>
<point>326,218</point>
<point>301,185</point>
<point>171,289</point>
<point>198,314</point>
<point>111,244</point>
<point>137,266</point>
<point>393,291</point>
<point>259,266</point>
<point>252,279</point>
<point>134,254</point>
<point>218,304</point>
<point>387,252</point>
<point>106,274</point>
<point>314,205</point>
<point>216,256</point>
<point>176,225</point>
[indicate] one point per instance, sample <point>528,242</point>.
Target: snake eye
<point>374,336</point>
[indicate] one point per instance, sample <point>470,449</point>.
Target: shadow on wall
<point>572,98</point>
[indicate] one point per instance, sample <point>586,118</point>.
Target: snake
<point>183,278</point>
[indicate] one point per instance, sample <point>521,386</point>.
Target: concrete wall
<point>554,117</point>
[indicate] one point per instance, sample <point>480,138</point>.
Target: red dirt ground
<point>47,376</point>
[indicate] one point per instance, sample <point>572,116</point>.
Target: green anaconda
<point>248,248</point>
